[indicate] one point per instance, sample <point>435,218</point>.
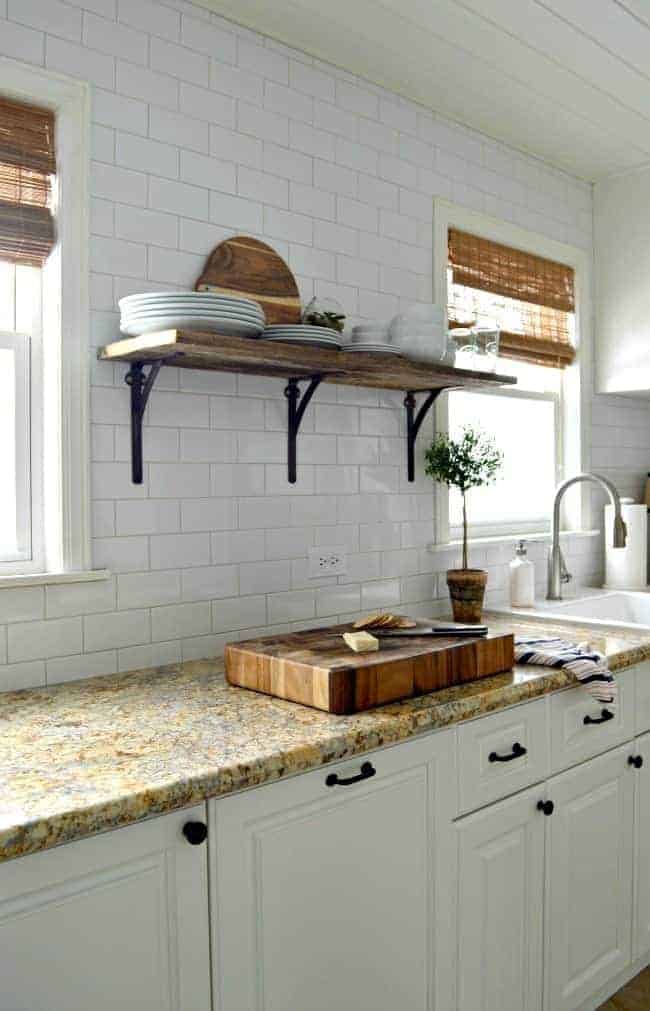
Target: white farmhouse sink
<point>616,608</point>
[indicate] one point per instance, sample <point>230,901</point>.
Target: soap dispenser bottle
<point>522,578</point>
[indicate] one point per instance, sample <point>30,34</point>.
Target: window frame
<point>573,454</point>
<point>66,493</point>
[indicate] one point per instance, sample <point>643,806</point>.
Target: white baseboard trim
<point>615,984</point>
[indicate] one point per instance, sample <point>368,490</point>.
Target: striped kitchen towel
<point>589,666</point>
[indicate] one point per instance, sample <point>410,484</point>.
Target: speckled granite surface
<point>86,756</point>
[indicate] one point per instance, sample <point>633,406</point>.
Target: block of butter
<point>361,642</point>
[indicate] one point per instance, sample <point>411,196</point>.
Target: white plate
<point>189,296</point>
<point>305,328</point>
<point>228,327</point>
<point>375,349</point>
<point>316,342</point>
<point>138,314</point>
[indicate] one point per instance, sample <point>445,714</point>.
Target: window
<point>527,288</point>
<point>44,529</point>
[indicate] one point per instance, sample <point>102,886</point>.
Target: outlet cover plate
<point>327,561</point>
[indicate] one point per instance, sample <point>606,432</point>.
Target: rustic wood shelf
<point>196,350</point>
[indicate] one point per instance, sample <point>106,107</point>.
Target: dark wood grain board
<point>317,669</point>
<point>196,350</point>
<point>249,268</point>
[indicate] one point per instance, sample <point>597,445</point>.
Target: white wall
<point>202,129</point>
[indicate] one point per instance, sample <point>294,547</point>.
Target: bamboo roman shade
<point>27,166</point>
<point>536,298</point>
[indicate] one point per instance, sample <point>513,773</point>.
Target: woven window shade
<point>27,166</point>
<point>535,302</point>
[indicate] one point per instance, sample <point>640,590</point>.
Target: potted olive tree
<point>470,461</point>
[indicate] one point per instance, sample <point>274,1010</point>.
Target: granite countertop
<point>86,756</point>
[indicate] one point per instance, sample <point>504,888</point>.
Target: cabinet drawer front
<point>642,706</point>
<point>573,740</point>
<point>503,753</point>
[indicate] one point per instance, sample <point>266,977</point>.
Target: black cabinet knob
<point>195,832</point>
<point>636,761</point>
<point>547,807</point>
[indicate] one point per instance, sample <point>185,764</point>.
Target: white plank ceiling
<point>567,80</point>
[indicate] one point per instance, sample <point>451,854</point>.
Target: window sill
<point>477,542</point>
<point>50,578</point>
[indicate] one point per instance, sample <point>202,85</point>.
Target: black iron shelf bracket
<point>297,405</point>
<point>414,423</point>
<point>141,385</point>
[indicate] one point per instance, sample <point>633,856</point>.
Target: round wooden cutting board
<point>249,268</point>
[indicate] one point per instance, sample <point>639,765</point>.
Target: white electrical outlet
<point>331,561</point>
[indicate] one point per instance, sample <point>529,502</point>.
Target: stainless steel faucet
<point>557,570</point>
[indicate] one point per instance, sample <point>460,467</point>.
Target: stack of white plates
<point>195,310</point>
<point>374,348</point>
<point>303,333</point>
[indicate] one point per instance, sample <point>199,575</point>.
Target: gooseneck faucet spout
<point>557,570</point>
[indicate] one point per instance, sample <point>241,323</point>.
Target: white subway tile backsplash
<point>145,155</point>
<point>150,655</point>
<point>15,676</point>
<point>150,16</point>
<point>179,480</point>
<point>179,551</point>
<point>233,212</point>
<point>147,85</point>
<point>147,589</point>
<point>22,44</point>
<point>146,516</point>
<point>22,604</point>
<point>37,640</point>
<point>177,620</point>
<point>119,184</point>
<point>210,582</point>
<point>108,631</point>
<point>116,39</point>
<point>264,577</point>
<point>83,665</point>
<point>65,600</point>
<point>54,17</point>
<point>138,224</point>
<point>121,554</point>
<point>238,612</point>
<point>208,514</point>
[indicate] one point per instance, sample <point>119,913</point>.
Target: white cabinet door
<point>329,898</point>
<point>589,854</point>
<point>118,920</point>
<point>500,906</point>
<point>641,941</point>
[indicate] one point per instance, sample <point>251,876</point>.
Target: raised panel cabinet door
<point>118,920</point>
<point>589,862</point>
<point>641,939</point>
<point>500,906</point>
<point>330,898</point>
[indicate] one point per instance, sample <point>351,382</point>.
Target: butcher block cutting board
<point>317,669</point>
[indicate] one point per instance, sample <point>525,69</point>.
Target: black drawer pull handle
<point>518,751</point>
<point>636,761</point>
<point>195,832</point>
<point>547,807</point>
<point>605,717</point>
<point>367,772</point>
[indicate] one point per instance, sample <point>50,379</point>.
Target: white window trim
<point>70,100</point>
<point>575,453</point>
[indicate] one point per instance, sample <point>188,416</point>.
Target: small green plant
<point>470,461</point>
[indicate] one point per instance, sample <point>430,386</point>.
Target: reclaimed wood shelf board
<point>195,350</point>
<point>316,668</point>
